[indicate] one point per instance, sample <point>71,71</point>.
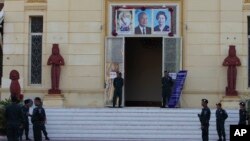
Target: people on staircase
<point>118,84</point>
<point>167,84</point>
<point>243,114</point>
<point>25,110</point>
<point>38,119</point>
<point>204,117</point>
<point>221,115</point>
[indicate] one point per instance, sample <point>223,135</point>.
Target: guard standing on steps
<point>43,126</point>
<point>167,84</point>
<point>25,110</point>
<point>221,116</point>
<point>243,114</point>
<point>118,84</point>
<point>38,119</point>
<point>204,117</point>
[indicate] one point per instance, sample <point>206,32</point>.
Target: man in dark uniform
<point>243,114</point>
<point>204,117</point>
<point>118,84</point>
<point>38,119</point>
<point>167,84</point>
<point>14,117</point>
<point>26,114</point>
<point>221,116</point>
<point>43,126</point>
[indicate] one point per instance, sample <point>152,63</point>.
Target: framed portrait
<point>143,21</point>
<point>124,21</point>
<point>161,21</point>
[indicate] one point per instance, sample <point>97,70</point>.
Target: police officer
<point>43,126</point>
<point>221,116</point>
<point>118,84</point>
<point>14,117</point>
<point>38,119</point>
<point>25,109</point>
<point>243,114</point>
<point>167,84</point>
<point>204,117</point>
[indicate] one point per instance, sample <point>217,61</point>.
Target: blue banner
<point>178,86</point>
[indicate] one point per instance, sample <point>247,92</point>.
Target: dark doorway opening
<point>143,71</point>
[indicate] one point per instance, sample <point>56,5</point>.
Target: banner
<point>178,86</point>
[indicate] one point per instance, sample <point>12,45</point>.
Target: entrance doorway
<point>143,71</point>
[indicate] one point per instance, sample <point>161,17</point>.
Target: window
<point>35,58</point>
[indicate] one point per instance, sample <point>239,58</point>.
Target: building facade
<point>94,44</point>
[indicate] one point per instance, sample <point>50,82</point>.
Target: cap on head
<point>242,104</point>
<point>218,104</point>
<point>204,100</point>
<point>27,101</point>
<point>37,99</point>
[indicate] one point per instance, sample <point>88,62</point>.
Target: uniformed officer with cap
<point>204,117</point>
<point>167,84</point>
<point>221,116</point>
<point>118,84</point>
<point>243,114</point>
<point>38,119</point>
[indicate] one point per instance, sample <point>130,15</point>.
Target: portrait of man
<point>124,21</point>
<point>143,21</point>
<point>161,20</point>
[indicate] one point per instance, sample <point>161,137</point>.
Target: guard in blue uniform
<point>167,84</point>
<point>118,84</point>
<point>25,109</point>
<point>243,114</point>
<point>221,116</point>
<point>204,117</point>
<point>38,119</point>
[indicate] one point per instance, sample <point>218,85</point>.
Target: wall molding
<point>36,1</point>
<point>35,6</point>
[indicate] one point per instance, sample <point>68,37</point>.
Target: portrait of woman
<point>161,23</point>
<point>124,21</point>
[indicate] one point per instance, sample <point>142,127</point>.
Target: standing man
<point>142,27</point>
<point>38,119</point>
<point>204,117</point>
<point>221,116</point>
<point>167,84</point>
<point>243,114</point>
<point>118,84</point>
<point>14,117</point>
<point>43,126</point>
<point>25,109</point>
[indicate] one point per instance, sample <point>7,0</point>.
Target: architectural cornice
<point>35,6</point>
<point>36,1</point>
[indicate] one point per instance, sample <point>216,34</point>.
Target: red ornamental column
<point>231,61</point>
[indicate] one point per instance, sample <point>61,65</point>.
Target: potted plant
<point>3,104</point>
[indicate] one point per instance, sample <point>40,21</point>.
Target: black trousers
<point>117,94</point>
<point>12,133</point>
<point>26,129</point>
<point>44,130</point>
<point>166,92</point>
<point>220,129</point>
<point>205,132</point>
<point>37,130</point>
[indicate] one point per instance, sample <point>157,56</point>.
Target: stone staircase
<point>133,124</point>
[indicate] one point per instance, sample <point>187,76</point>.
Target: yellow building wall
<point>207,27</point>
<point>76,26</point>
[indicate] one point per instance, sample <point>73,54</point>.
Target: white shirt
<point>143,28</point>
